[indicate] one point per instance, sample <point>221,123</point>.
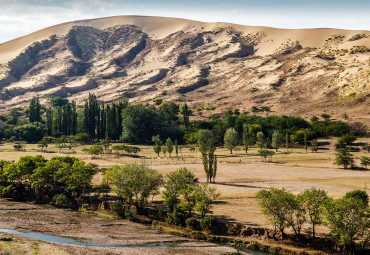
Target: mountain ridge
<point>292,71</point>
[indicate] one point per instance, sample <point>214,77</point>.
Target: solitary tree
<point>207,147</point>
<point>231,139</point>
<point>343,157</point>
<point>276,140</point>
<point>365,161</point>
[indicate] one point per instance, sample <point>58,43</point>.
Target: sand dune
<point>301,72</point>
<point>160,27</point>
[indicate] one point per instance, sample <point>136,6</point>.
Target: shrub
<point>358,194</point>
<point>177,217</point>
<point>130,213</point>
<point>192,223</point>
<point>61,200</point>
<point>208,223</point>
<point>118,208</point>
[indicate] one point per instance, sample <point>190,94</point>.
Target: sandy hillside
<point>300,71</point>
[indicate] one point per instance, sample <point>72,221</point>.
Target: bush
<point>359,195</point>
<point>177,217</point>
<point>61,200</point>
<point>130,213</point>
<point>208,223</point>
<point>118,208</point>
<point>192,223</point>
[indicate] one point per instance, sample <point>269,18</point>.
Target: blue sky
<point>20,17</point>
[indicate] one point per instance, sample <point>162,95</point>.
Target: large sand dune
<point>294,71</point>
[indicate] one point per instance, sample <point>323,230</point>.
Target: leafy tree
<point>42,144</point>
<point>164,150</point>
<point>286,140</point>
<point>261,141</point>
<point>95,149</point>
<point>343,157</point>
<point>365,161</point>
<point>205,197</point>
<point>169,146</point>
<point>348,220</point>
<point>274,205</point>
<point>31,132</point>
<point>34,110</point>
<point>358,129</point>
<point>157,144</point>
<point>79,177</point>
<point>207,147</point>
<point>358,194</point>
<point>276,140</point>
<point>231,139</point>
<point>305,139</point>
<point>186,112</point>
<point>313,201</point>
<point>266,153</point>
<point>245,137</point>
<point>134,183</point>
<point>139,123</point>
<point>176,184</point>
<point>58,101</point>
<point>176,148</point>
<point>315,145</point>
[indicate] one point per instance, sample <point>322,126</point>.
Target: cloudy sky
<point>20,17</point>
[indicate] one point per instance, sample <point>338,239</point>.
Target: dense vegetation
<point>348,218</point>
<point>121,121</point>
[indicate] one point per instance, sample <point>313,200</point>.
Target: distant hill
<point>293,71</point>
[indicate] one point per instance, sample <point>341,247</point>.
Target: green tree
<point>286,140</point>
<point>315,145</point>
<point>245,137</point>
<point>207,147</point>
<point>58,101</point>
<point>343,157</point>
<point>266,153</point>
<point>34,110</point>
<point>79,177</point>
<point>358,194</point>
<point>274,206</point>
<point>313,201</point>
<point>169,146</point>
<point>276,140</point>
<point>185,111</point>
<point>365,161</point>
<point>205,197</point>
<point>176,148</point>
<point>348,220</point>
<point>176,184</point>
<point>157,144</point>
<point>305,139</point>
<point>261,141</point>
<point>134,183</point>
<point>231,139</point>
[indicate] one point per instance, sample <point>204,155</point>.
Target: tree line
<point>138,123</point>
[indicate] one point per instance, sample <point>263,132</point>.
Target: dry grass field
<point>239,175</point>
